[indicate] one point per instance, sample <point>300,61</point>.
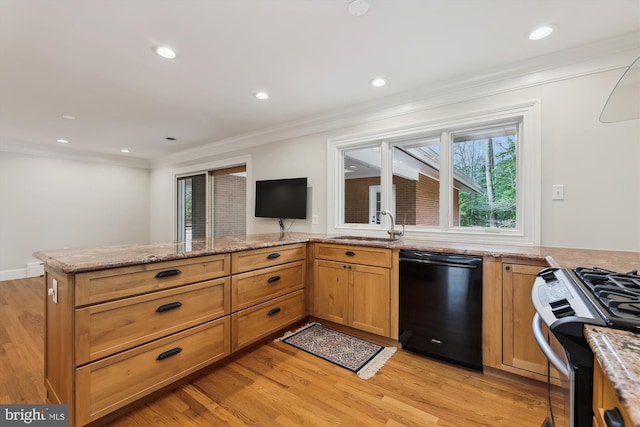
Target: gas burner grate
<point>619,293</point>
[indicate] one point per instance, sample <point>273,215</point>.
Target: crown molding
<point>67,153</point>
<point>605,55</point>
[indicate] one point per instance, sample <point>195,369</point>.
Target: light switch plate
<point>557,192</point>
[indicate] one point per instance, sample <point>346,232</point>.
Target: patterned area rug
<point>359,356</point>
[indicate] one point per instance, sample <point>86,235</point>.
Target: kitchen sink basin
<point>365,239</point>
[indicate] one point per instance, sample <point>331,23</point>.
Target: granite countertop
<point>618,352</point>
<point>74,260</point>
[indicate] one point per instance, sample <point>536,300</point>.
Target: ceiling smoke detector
<point>358,7</point>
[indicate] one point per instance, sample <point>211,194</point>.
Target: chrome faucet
<point>393,233</point>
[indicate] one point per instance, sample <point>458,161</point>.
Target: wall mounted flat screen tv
<point>282,198</point>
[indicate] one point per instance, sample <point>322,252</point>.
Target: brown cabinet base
<point>252,324</point>
<point>116,381</point>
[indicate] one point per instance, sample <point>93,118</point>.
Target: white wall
<point>597,163</point>
<point>292,158</point>
<point>52,203</point>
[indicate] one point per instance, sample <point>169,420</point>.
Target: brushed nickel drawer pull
<point>350,253</point>
<point>273,279</point>
<point>273,311</point>
<point>273,255</point>
<point>170,306</point>
<point>168,273</point>
<point>168,353</point>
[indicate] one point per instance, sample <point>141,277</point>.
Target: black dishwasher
<point>441,306</point>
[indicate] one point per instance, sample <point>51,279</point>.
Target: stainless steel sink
<point>365,239</point>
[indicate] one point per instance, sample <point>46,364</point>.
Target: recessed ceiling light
<point>68,117</point>
<point>358,7</point>
<point>124,150</point>
<point>378,82</point>
<point>166,52</point>
<point>261,95</point>
<point>62,141</point>
<point>541,32</point>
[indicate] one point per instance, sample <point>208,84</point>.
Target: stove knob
<point>548,274</point>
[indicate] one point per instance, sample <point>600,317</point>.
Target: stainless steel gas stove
<point>567,299</point>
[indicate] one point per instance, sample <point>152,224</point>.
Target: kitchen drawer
<point>103,285</point>
<point>105,329</point>
<point>377,257</point>
<point>112,383</point>
<point>259,258</point>
<point>261,285</point>
<point>261,320</point>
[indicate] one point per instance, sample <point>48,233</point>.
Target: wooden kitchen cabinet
<point>520,352</point>
<point>104,329</point>
<point>268,292</point>
<point>352,286</point>
<point>605,399</point>
<point>115,335</point>
<point>331,291</point>
<point>110,383</point>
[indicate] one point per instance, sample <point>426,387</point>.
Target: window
<point>211,202</point>
<point>475,179</point>
<point>229,206</point>
<point>192,199</point>
<point>416,175</point>
<point>485,176</point>
<point>361,184</point>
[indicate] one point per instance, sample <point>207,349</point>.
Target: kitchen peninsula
<point>94,291</point>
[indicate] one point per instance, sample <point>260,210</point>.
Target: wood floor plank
<point>303,410</point>
<point>275,384</point>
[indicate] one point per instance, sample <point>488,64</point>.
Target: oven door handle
<point>544,345</point>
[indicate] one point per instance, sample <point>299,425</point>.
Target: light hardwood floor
<point>275,384</point>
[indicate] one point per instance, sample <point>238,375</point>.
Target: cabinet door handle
<point>273,279</point>
<point>170,306</point>
<point>168,353</point>
<point>168,273</point>
<point>273,255</point>
<point>613,418</point>
<point>350,253</point>
<point>273,311</point>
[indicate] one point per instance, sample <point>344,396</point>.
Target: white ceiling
<point>93,59</point>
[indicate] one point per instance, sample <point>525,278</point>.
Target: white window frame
<point>528,192</point>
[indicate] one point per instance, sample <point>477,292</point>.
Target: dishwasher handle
<point>444,263</point>
<point>544,345</point>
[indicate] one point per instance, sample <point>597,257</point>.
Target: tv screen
<point>282,198</point>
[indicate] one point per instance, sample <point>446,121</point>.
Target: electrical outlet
<point>557,192</point>
<point>314,219</point>
<point>53,291</point>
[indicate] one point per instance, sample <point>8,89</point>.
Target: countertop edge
<point>59,259</point>
<point>77,260</point>
<point>618,353</point>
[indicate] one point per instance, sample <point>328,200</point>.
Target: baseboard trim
<point>21,273</point>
